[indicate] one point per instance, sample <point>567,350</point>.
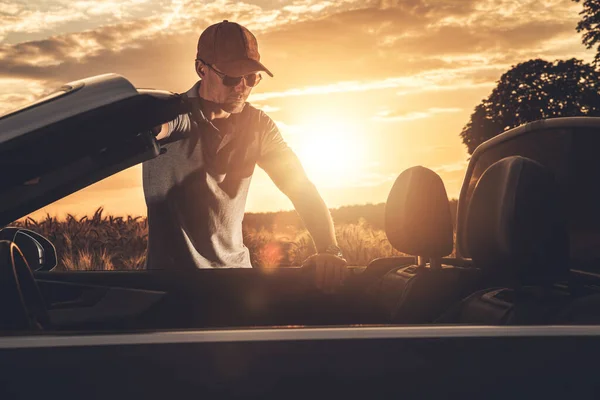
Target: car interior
<point>517,261</point>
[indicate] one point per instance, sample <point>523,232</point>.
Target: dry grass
<point>105,242</point>
<point>94,243</point>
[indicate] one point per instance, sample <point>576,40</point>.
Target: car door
<point>189,299</point>
<point>549,362</point>
<point>81,136</point>
<point>78,135</point>
<point>98,281</point>
<point>90,289</point>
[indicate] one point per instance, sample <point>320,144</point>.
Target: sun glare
<point>331,151</point>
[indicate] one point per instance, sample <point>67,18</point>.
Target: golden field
<point>106,242</point>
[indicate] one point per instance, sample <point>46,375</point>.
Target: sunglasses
<point>251,79</point>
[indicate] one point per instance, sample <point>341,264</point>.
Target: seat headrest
<point>417,214</point>
<point>516,227</point>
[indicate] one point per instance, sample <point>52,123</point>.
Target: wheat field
<point>109,243</point>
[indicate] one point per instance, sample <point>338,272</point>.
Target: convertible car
<point>513,314</point>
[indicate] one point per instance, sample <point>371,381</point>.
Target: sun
<point>331,151</point>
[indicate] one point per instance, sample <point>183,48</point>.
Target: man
<point>196,192</point>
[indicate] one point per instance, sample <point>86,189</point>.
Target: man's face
<point>231,98</point>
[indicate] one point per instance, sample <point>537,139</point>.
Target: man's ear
<point>200,68</point>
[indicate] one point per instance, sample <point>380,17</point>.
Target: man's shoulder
<point>259,118</point>
<point>253,111</point>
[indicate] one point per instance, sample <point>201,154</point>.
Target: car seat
<point>418,222</point>
<point>517,235</point>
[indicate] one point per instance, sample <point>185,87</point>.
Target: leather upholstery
<point>418,222</point>
<point>417,214</point>
<point>516,228</point>
<point>517,235</point>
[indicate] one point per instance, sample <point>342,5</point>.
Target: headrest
<point>417,214</point>
<point>516,225</point>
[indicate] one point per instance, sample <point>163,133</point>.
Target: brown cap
<point>232,48</point>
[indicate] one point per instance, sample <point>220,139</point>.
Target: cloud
<point>433,80</point>
<point>266,108</point>
<point>413,115</point>
<point>17,18</point>
<point>464,85</point>
<point>26,21</point>
<point>389,36</point>
<point>338,87</point>
<point>17,92</point>
<point>313,47</point>
<point>453,174</point>
<point>459,166</point>
<point>408,37</point>
<point>153,51</point>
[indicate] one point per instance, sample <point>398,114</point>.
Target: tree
<point>534,90</point>
<point>590,23</point>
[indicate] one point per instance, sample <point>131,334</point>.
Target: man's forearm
<point>286,171</point>
<point>175,129</point>
<point>315,215</point>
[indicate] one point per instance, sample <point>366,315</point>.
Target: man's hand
<point>330,271</point>
<point>161,131</point>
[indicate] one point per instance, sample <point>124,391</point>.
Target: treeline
<point>371,214</point>
<point>538,89</point>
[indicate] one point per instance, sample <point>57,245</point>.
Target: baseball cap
<point>232,48</point>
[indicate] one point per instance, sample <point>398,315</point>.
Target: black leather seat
<point>418,222</point>
<point>582,311</point>
<point>517,235</point>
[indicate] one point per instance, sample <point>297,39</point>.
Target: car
<point>514,313</point>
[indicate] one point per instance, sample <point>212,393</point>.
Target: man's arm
<point>287,173</point>
<point>285,169</point>
<point>175,129</point>
<point>163,131</point>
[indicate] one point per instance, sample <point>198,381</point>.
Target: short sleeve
<point>280,162</point>
<point>178,128</point>
<point>272,144</point>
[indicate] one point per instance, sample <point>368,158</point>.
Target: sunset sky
<point>362,89</point>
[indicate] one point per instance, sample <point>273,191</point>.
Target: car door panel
<point>71,305</point>
<point>349,362</point>
<point>210,298</point>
